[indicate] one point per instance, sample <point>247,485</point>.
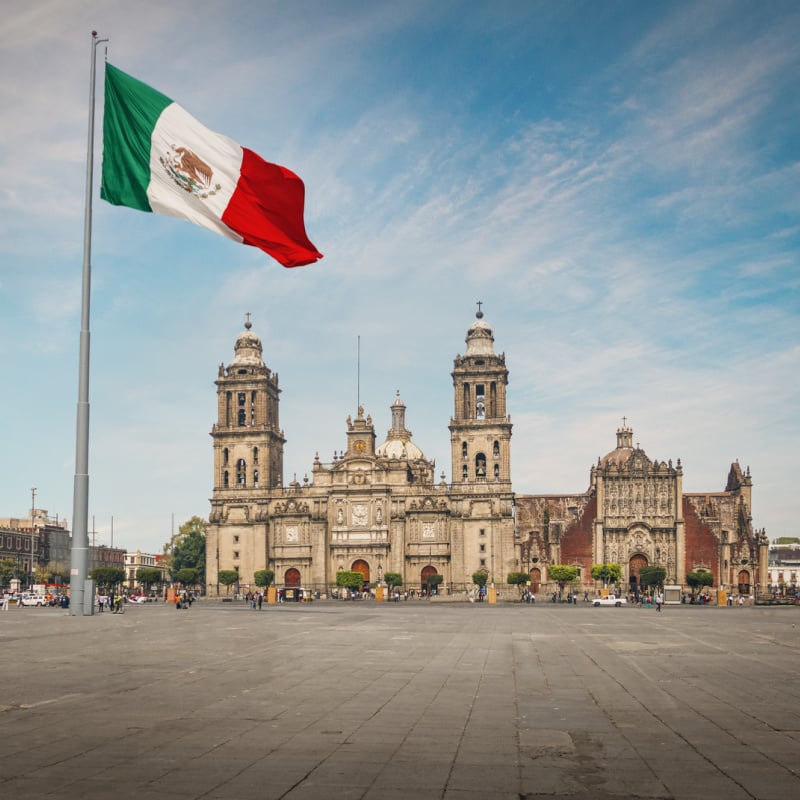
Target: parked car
<point>32,599</point>
<point>611,600</point>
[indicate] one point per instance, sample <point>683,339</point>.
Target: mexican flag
<point>157,157</point>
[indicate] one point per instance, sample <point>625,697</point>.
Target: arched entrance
<point>426,573</point>
<point>535,577</point>
<point>744,582</point>
<point>634,565</point>
<point>291,577</point>
<point>361,566</point>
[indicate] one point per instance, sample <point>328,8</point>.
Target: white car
<point>33,600</point>
<point>611,600</point>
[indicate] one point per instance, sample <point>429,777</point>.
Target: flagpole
<point>80,497</point>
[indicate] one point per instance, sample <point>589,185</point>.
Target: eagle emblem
<point>189,171</point>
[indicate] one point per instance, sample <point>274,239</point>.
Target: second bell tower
<point>480,429</point>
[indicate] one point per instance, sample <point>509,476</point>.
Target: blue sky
<point>616,181</point>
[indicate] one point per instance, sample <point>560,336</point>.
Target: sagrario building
<point>378,507</point>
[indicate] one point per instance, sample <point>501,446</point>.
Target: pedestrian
<point>586,596</point>
<point>659,600</point>
<point>100,602</point>
<point>5,601</point>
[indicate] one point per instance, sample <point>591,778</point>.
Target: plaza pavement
<point>411,700</point>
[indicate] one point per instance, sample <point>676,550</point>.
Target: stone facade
<point>375,508</point>
<point>378,508</point>
<point>636,514</point>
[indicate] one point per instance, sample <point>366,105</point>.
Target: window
<point>236,539</point>
<point>236,554</point>
<point>252,408</point>
<point>496,450</point>
<point>465,472</point>
<point>242,417</point>
<point>464,452</point>
<point>480,402</point>
<point>255,477</point>
<point>241,472</point>
<point>483,548</point>
<point>480,465</point>
<point>482,532</point>
<point>255,455</point>
<point>225,455</point>
<point>225,479</point>
<point>483,562</point>
<point>497,472</point>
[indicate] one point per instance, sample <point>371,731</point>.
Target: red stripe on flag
<point>266,210</point>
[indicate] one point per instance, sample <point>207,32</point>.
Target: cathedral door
<point>425,574</point>
<point>362,567</point>
<point>744,582</point>
<point>535,578</point>
<point>634,565</point>
<point>291,577</point>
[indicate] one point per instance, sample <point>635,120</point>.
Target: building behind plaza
<point>379,507</point>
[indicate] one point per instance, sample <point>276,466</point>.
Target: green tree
<point>562,574</point>
<point>480,577</point>
<point>349,580</point>
<point>187,550</point>
<point>43,575</point>
<point>107,577</point>
<point>188,576</point>
<point>434,580</point>
<point>699,579</point>
<point>148,576</point>
<point>608,573</point>
<point>393,580</point>
<point>9,570</point>
<point>227,577</point>
<point>518,579</point>
<point>264,578</point>
<point>652,576</point>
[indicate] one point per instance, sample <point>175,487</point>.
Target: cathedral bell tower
<point>248,441</point>
<point>480,429</point>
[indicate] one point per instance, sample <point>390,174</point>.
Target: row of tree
<point>649,577</point>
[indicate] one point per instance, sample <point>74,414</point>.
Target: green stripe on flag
<point>132,109</point>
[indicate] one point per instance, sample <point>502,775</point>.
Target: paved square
<point>411,700</point>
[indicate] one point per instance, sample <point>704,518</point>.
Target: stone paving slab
<point>411,700</point>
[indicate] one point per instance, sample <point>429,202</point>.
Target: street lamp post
<point>33,513</point>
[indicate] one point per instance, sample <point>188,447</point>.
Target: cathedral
<point>379,508</point>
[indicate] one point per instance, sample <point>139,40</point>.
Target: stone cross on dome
<point>479,314</point>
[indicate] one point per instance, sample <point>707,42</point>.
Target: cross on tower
<point>248,323</point>
<point>480,313</point>
<point>624,420</point>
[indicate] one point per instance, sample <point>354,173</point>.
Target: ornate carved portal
<point>535,579</point>
<point>634,565</point>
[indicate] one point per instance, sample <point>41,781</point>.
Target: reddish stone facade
<point>635,514</point>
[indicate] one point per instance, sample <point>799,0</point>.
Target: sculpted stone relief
<point>641,499</point>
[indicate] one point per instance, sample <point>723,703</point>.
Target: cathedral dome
<point>247,350</point>
<point>398,442</point>
<point>480,337</point>
<point>622,452</point>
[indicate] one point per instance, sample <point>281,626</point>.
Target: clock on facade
<point>360,445</point>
